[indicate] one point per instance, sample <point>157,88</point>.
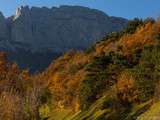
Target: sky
<point>121,8</point>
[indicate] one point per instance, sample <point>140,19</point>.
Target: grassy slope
<point>152,114</point>
<point>96,112</point>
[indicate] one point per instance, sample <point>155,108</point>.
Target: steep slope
<point>53,30</point>
<point>98,112</point>
<point>47,29</point>
<point>105,82</point>
<point>152,114</point>
<point>114,79</point>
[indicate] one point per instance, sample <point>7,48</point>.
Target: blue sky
<point>122,8</point>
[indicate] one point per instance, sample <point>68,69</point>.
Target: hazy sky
<point>122,8</point>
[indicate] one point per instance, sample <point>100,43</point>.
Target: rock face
<point>4,33</point>
<point>63,28</point>
<point>55,29</point>
<point>3,28</point>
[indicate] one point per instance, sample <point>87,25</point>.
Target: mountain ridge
<point>21,27</point>
<point>55,29</point>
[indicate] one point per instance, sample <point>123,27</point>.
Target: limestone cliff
<point>55,29</point>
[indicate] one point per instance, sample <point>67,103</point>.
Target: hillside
<point>118,67</point>
<point>43,32</point>
<point>117,78</point>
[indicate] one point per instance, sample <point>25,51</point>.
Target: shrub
<point>90,49</point>
<point>126,88</point>
<point>101,75</point>
<point>133,25</point>
<point>95,80</point>
<point>147,72</point>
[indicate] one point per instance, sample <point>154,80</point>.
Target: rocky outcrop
<point>56,29</point>
<point>4,34</point>
<point>63,28</point>
<point>3,28</point>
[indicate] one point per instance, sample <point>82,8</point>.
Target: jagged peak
<point>1,15</point>
<point>21,10</point>
<point>25,9</point>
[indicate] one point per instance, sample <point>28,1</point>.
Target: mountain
<point>40,31</point>
<point>116,78</point>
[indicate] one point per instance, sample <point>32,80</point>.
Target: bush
<point>147,72</point>
<point>95,81</point>
<point>90,49</point>
<point>101,75</point>
<point>133,25</point>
